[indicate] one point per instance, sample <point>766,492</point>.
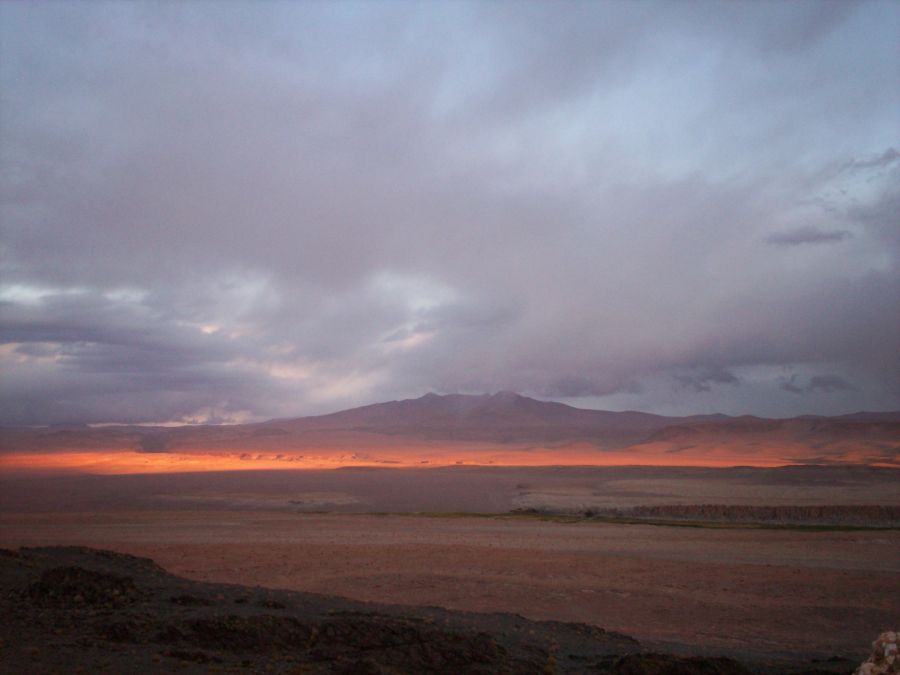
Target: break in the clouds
<point>236,211</point>
<point>826,383</point>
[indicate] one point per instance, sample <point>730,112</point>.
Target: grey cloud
<point>706,378</point>
<point>881,217</point>
<point>790,384</point>
<point>828,383</point>
<point>38,349</point>
<point>579,386</point>
<point>231,211</point>
<point>886,158</point>
<point>817,383</point>
<point>90,359</point>
<point>153,443</point>
<point>807,235</point>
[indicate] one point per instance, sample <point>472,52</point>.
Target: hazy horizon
<point>235,212</point>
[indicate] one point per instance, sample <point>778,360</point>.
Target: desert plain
<point>510,539</point>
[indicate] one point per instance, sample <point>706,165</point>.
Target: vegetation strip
<point>624,520</point>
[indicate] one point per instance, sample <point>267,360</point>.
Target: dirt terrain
<point>82,610</point>
<point>756,592</point>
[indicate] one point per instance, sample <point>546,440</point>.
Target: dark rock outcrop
<point>71,609</point>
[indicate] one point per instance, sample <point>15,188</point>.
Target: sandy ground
<point>818,592</point>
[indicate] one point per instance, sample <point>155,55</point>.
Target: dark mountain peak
<point>468,402</point>
<point>506,395</point>
<point>502,395</point>
<point>511,398</point>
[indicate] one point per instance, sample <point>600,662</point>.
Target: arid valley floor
<point>446,537</point>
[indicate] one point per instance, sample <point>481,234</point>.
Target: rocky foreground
<point>73,609</point>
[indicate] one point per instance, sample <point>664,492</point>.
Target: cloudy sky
<point>235,211</point>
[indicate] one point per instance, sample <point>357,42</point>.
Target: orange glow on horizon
<point>129,462</point>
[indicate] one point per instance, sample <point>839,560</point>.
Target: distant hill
<point>504,416</point>
<point>503,428</point>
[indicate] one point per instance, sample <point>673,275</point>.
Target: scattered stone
<point>190,601</point>
<point>665,664</point>
<point>68,586</point>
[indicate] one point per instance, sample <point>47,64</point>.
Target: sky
<point>234,211</point>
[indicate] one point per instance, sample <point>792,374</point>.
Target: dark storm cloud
<point>238,211</point>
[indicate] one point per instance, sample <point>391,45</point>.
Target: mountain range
<point>483,426</point>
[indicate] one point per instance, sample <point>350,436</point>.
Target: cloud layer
<point>225,212</point>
